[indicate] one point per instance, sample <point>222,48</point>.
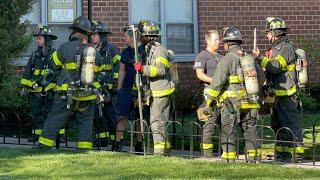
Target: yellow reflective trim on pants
<point>62,131</point>
<point>37,131</point>
<point>84,145</point>
<point>153,71</point>
<point>228,155</point>
<point>162,93</point>
<point>234,79</point>
<point>112,137</point>
<point>288,92</point>
<point>206,146</point>
<point>46,141</point>
<point>229,93</point>
<point>116,58</point>
<point>70,66</point>
<point>56,59</point>
<point>105,67</point>
<point>50,86</point>
<point>164,61</point>
<point>264,62</point>
<point>26,82</point>
<point>101,135</point>
<point>97,85</point>
<point>282,61</point>
<point>254,153</point>
<point>62,87</point>
<point>115,75</point>
<point>161,145</point>
<point>282,148</point>
<point>85,98</point>
<point>298,149</point>
<point>248,105</point>
<point>212,92</point>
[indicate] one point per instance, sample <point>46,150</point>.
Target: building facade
<point>184,23</point>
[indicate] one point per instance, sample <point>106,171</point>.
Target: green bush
<point>14,40</point>
<point>308,101</point>
<point>10,99</point>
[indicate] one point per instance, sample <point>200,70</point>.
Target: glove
<point>207,110</point>
<point>138,66</point>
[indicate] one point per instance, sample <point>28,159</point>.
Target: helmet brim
<point>287,30</point>
<point>52,37</point>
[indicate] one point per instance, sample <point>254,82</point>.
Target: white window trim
<point>178,57</point>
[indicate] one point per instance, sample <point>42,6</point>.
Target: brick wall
<point>303,17</point>
<point>114,13</point>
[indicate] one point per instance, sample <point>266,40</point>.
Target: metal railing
<point>185,138</point>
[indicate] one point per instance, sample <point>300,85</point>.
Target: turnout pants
<point>40,106</point>
<point>106,125</point>
<point>248,124</point>
<point>159,117</point>
<point>83,113</point>
<point>208,131</point>
<point>286,115</point>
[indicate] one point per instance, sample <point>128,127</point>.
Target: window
<point>178,20</point>
<point>58,15</point>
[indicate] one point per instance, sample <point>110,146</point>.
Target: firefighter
<point>108,75</point>
<point>38,78</point>
<point>237,106</point>
<point>205,65</point>
<point>279,63</point>
<point>125,104</point>
<point>76,64</point>
<point>156,69</point>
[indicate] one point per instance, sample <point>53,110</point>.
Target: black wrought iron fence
<point>185,138</point>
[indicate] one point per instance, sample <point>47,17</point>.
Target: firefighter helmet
<point>81,23</point>
<point>276,25</point>
<point>99,27</point>
<point>148,28</point>
<point>44,31</point>
<point>231,34</point>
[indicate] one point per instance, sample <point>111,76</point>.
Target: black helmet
<point>148,28</point>
<point>276,25</point>
<point>81,23</point>
<point>231,34</point>
<point>44,31</point>
<point>99,27</point>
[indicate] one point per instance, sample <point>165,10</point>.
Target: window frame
<point>44,11</point>
<point>178,57</point>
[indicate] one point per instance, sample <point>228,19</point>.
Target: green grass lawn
<point>35,164</point>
